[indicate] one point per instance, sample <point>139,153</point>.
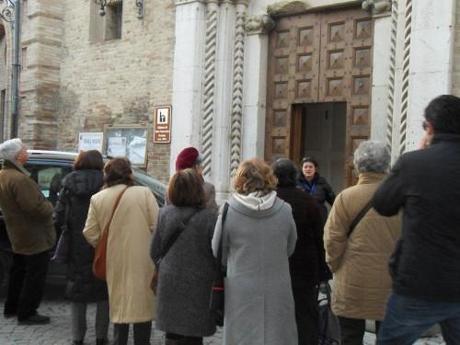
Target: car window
<point>157,187</point>
<point>49,179</point>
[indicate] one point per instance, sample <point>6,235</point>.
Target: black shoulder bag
<point>358,217</point>
<point>217,303</point>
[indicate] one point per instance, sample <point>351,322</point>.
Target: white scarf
<point>256,201</point>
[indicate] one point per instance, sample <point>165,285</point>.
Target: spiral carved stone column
<point>237,92</point>
<point>209,85</point>
<point>405,77</point>
<point>392,75</point>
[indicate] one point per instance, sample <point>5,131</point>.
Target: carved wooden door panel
<point>346,73</point>
<point>319,57</point>
<point>293,77</point>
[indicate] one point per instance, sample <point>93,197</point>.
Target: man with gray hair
<point>29,224</point>
<point>358,244</point>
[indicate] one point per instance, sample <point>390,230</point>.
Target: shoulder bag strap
<point>221,244</point>
<point>359,216</point>
<point>174,238</point>
<point>117,201</point>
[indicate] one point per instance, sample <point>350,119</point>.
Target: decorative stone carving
<point>183,2</point>
<point>392,76</point>
<point>406,77</point>
<point>209,84</point>
<point>287,7</point>
<point>259,25</point>
<point>237,91</point>
<point>376,6</point>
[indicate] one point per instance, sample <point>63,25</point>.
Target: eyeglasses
<point>425,125</point>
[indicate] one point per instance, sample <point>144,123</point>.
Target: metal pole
<point>16,69</point>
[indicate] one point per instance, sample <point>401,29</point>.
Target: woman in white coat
<point>129,268</point>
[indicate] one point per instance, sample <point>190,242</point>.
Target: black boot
<point>101,342</point>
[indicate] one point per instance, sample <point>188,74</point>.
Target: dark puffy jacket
<point>425,184</point>
<point>319,189</point>
<point>78,187</point>
<point>308,258</point>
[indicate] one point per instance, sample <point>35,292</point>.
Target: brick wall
<point>119,81</point>
<point>72,85</point>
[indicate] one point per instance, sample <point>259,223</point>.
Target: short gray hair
<point>372,156</point>
<point>10,149</point>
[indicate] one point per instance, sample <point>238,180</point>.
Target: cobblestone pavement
<point>58,331</point>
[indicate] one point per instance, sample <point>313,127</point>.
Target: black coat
<point>72,209</point>
<point>319,189</point>
<point>425,184</point>
<point>308,258</point>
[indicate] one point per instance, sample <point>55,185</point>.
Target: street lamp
<point>103,3</point>
<point>7,10</point>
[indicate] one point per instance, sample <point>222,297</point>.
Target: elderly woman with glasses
<point>359,260</point>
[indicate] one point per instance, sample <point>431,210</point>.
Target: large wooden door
<point>319,57</point>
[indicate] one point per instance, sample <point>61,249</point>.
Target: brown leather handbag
<point>100,253</point>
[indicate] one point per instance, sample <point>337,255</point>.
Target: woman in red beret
<point>190,158</point>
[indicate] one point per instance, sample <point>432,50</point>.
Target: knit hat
<point>187,158</point>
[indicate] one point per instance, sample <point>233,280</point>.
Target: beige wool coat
<point>362,282</point>
<point>129,266</point>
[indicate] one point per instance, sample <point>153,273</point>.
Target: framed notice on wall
<point>162,125</point>
<point>127,141</point>
<point>90,141</point>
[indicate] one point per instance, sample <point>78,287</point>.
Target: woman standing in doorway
<point>317,186</point>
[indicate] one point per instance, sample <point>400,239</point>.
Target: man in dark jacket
<point>425,267</point>
<point>29,224</point>
<point>305,263</point>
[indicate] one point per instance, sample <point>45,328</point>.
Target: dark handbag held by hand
<point>329,325</point>
<point>62,251</point>
<point>217,303</point>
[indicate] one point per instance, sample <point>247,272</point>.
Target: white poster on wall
<point>90,141</point>
<point>116,147</point>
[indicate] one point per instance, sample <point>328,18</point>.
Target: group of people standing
<point>277,245</point>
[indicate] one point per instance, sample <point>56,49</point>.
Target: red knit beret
<point>186,158</point>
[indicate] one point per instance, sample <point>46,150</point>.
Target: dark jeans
<point>407,318</point>
<point>306,312</point>
<point>183,340</point>
<point>352,330</point>
<point>26,285</point>
<point>141,330</point>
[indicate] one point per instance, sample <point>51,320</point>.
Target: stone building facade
<point>82,72</point>
<point>245,78</point>
<point>249,75</point>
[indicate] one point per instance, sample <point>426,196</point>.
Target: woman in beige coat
<point>360,262</point>
<point>129,267</point>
